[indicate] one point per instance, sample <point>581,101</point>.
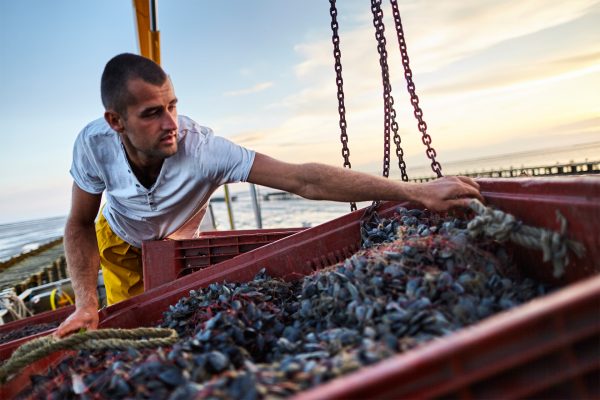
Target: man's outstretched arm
<point>323,182</point>
<point>83,261</point>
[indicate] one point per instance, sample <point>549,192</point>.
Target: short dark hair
<point>119,71</point>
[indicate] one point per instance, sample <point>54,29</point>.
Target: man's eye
<point>151,114</point>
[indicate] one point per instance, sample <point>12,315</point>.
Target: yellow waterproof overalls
<point>121,264</point>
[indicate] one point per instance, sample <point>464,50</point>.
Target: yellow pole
<point>147,29</point>
<point>155,46</point>
<point>229,210</point>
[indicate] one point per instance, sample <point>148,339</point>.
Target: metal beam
<point>146,18</point>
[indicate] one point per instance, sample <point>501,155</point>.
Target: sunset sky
<point>494,77</point>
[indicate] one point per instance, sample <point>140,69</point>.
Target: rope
<point>502,226</point>
<point>14,305</point>
<point>103,339</point>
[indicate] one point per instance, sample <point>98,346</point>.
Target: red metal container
<point>549,347</point>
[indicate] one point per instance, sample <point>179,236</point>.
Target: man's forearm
<point>324,182</point>
<point>83,261</point>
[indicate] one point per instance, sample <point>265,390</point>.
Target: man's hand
<point>448,192</point>
<point>82,318</point>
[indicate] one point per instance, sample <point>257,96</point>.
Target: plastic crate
<point>549,347</point>
<point>167,260</point>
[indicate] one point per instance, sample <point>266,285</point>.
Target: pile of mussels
<point>26,331</point>
<point>418,276</point>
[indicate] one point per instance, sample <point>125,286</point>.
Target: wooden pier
<point>581,168</point>
<point>43,265</point>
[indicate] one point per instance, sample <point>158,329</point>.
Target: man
<point>159,169</point>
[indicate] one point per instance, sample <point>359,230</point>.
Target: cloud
<point>439,33</point>
<point>254,89</point>
<point>488,73</point>
<point>518,76</point>
<point>249,138</point>
<point>444,32</point>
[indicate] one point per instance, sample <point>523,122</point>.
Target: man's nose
<point>169,121</point>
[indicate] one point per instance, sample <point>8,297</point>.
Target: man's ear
<point>114,120</point>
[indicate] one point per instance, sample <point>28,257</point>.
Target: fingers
<point>472,192</point>
<point>70,326</point>
<point>468,181</point>
<point>75,322</point>
<point>464,203</point>
<point>468,189</point>
<point>450,192</point>
<point>63,331</point>
<point>66,328</point>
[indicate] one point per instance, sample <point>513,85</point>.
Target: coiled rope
<point>102,339</point>
<point>502,226</point>
<point>14,305</point>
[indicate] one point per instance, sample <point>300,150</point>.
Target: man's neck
<point>146,170</point>
<point>147,176</point>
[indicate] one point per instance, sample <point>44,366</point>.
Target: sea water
<point>20,237</point>
<point>24,236</point>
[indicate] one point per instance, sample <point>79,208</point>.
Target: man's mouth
<point>168,139</point>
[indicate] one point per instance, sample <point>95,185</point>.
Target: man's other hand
<point>448,192</point>
<point>86,318</point>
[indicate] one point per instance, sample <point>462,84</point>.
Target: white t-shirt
<point>202,163</point>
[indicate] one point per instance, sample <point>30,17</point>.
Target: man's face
<point>149,128</point>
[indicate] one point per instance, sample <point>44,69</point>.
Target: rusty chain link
<point>337,54</point>
<point>390,123</point>
<point>397,142</point>
<point>414,99</point>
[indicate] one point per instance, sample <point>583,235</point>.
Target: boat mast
<point>146,18</point>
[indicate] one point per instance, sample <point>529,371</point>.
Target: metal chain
<point>337,54</point>
<point>389,112</point>
<point>397,141</point>
<point>414,99</point>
